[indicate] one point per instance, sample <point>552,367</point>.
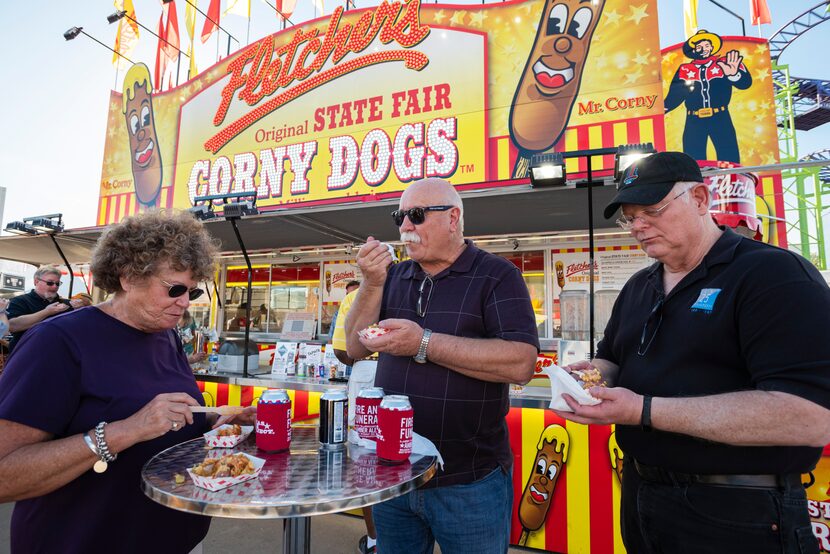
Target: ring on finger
<point>175,425</point>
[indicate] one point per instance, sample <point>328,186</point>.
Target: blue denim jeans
<point>697,518</point>
<point>462,518</point>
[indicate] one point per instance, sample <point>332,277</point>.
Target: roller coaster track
<point>808,93</point>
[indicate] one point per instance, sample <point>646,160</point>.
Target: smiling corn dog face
<point>141,126</point>
<point>550,82</point>
<point>550,459</point>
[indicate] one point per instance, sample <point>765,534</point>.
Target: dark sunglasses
<point>655,318</point>
<point>51,283</point>
<point>175,291</point>
<point>417,215</point>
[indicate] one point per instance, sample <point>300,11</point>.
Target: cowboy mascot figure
<point>705,86</point>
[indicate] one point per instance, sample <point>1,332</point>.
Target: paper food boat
<point>213,440</point>
<point>372,332</point>
<point>219,483</point>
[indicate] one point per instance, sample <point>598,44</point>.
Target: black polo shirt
<point>750,316</point>
<point>26,304</point>
<point>479,296</point>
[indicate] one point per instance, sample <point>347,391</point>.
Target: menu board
<point>612,268</point>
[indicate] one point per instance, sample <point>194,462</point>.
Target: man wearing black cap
<point>717,362</point>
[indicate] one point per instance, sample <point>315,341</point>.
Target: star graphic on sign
<point>633,76</point>
<point>762,75</point>
<point>690,74</point>
<point>509,48</point>
<point>716,70</point>
<point>613,17</point>
<point>477,19</point>
<point>641,59</point>
<point>761,49</point>
<point>439,16</point>
<point>458,18</point>
<point>637,13</point>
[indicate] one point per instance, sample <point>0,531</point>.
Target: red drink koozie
<point>395,428</point>
<point>273,421</point>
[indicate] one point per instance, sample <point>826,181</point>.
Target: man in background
<point>42,302</point>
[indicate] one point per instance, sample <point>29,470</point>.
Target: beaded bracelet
<point>103,449</point>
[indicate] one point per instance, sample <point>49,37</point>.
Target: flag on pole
<point>173,44</point>
<point>126,38</point>
<point>161,57</point>
<point>690,17</point>
<point>211,21</point>
<point>239,7</point>
<point>759,12</point>
<point>285,8</point>
<point>318,5</point>
<point>190,25</point>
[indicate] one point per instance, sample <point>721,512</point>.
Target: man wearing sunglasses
<point>717,358</point>
<point>461,327</point>
<point>42,302</point>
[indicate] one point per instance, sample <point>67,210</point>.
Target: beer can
<point>330,470</point>
<point>273,421</point>
<point>395,428</point>
<point>334,409</point>
<point>366,412</point>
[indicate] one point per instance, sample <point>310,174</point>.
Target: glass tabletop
<point>304,481</point>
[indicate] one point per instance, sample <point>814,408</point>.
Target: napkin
<point>420,445</point>
<point>561,382</point>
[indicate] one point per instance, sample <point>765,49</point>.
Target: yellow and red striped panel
<point>115,207</point>
<point>606,134</point>
<point>304,404</point>
<point>584,509</point>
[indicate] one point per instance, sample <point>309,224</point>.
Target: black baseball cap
<point>649,180</point>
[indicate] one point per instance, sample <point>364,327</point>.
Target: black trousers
<point>696,518</point>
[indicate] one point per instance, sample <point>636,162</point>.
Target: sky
<point>54,98</point>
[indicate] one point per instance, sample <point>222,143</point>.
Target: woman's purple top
<point>67,374</point>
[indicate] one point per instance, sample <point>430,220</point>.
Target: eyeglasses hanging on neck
<point>655,318</point>
<point>421,306</point>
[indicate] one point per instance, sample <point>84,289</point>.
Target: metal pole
<point>248,303</point>
<point>107,46</point>
<point>591,257</point>
<point>69,267</point>
<point>743,26</point>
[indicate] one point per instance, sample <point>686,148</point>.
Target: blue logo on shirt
<point>706,300</point>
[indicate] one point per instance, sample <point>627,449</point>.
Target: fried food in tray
<point>590,378</point>
<point>230,465</point>
<point>229,430</point>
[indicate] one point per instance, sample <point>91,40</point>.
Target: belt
<point>706,112</point>
<point>763,481</point>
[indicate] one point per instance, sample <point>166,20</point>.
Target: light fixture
<point>240,209</point>
<point>113,17</point>
<point>202,212</point>
<point>627,154</point>
<point>47,223</point>
<point>72,33</point>
<point>20,228</point>
<point>547,170</point>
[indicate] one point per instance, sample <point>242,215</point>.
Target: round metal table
<point>295,485</point>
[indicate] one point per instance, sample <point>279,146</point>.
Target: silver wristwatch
<point>421,356</point>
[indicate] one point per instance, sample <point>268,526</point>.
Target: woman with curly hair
<point>88,398</point>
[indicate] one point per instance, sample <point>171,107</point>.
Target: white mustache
<point>410,236</point>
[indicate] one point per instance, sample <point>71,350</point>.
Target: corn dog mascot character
<point>550,82</point>
<point>145,156</point>
<point>616,456</point>
<point>550,459</point>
